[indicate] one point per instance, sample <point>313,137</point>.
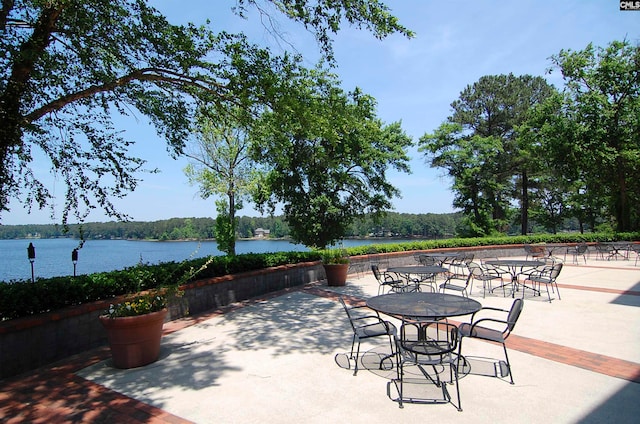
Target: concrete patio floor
<point>575,360</point>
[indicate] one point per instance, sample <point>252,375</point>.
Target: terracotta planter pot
<point>336,274</point>
<point>134,341</point>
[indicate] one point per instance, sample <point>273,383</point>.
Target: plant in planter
<point>336,266</point>
<point>134,326</point>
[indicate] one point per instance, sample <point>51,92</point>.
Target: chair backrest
<point>347,310</point>
<point>427,260</point>
<point>581,249</point>
<point>478,271</point>
<point>514,314</point>
<point>376,272</point>
<point>463,258</point>
<point>546,269</point>
<point>555,270</point>
<point>475,269</point>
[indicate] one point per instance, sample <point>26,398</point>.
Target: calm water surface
<point>53,256</point>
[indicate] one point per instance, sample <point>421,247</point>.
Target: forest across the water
<point>399,225</point>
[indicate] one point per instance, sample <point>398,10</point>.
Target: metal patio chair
<point>492,324</point>
<point>366,324</point>
<point>487,274</point>
<point>577,251</point>
<point>636,249</point>
<point>386,280</point>
<point>429,347</point>
<point>546,275</point>
<point>459,266</point>
<point>458,283</point>
<point>535,251</point>
<point>603,251</point>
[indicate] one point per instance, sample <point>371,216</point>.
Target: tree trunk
<point>524,204</point>
<point>623,212</point>
<point>232,223</point>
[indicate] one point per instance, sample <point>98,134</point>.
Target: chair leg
<point>460,347</point>
<point>355,371</point>
<point>391,354</point>
<point>353,343</point>
<point>455,371</point>
<point>400,373</point>
<point>506,356</point>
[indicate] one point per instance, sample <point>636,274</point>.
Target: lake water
<point>53,256</point>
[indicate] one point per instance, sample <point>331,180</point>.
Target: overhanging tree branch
<point>148,74</point>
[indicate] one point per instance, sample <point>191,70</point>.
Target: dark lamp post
<point>74,259</point>
<point>31,254</point>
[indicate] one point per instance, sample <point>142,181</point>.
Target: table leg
<point>513,284</point>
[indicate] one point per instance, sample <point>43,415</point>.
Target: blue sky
<point>414,81</point>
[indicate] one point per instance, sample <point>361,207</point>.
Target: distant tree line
<point>392,225</point>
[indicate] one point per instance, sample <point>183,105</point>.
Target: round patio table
<point>417,269</point>
<point>432,306</point>
<point>425,273</point>
<point>618,248</point>
<point>440,257</point>
<point>515,267</point>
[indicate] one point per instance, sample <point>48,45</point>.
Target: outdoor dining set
<point>443,272</point>
<point>426,348</point>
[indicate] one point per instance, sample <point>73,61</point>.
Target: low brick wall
<point>28,343</point>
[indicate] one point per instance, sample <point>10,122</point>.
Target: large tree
<point>592,131</point>
<point>69,66</point>
<point>328,156</point>
<point>480,148</point>
<point>220,165</point>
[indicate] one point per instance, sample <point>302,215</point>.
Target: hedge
<point>24,298</point>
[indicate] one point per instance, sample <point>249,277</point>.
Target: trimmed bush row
<point>24,298</point>
<point>19,299</point>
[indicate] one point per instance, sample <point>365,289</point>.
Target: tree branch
<point>7,5</point>
<point>145,74</point>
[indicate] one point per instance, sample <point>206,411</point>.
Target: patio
<point>272,360</point>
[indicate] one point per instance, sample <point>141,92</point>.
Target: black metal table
<point>515,267</point>
<point>432,306</point>
<point>420,270</point>
<point>440,257</point>
<point>552,247</point>
<point>417,269</point>
<point>618,248</point>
